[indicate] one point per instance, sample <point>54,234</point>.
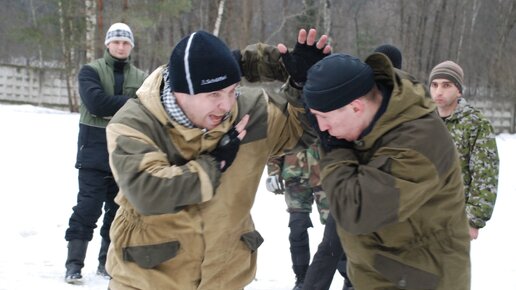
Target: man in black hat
<point>392,176</point>
<point>188,155</point>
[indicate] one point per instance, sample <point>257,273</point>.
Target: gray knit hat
<point>450,71</point>
<point>119,31</point>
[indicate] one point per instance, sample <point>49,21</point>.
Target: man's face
<point>347,122</point>
<point>207,110</point>
<point>120,49</point>
<point>444,93</point>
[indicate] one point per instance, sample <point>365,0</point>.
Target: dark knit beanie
<point>202,63</point>
<point>450,71</point>
<point>392,52</point>
<point>336,81</point>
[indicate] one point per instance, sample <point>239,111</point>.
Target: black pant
<point>96,189</point>
<point>328,258</point>
<point>299,222</point>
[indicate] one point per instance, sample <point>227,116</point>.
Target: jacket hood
<point>409,99</point>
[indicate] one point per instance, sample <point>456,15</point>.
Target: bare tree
<point>68,53</point>
<point>507,19</point>
<point>91,22</point>
<point>220,13</point>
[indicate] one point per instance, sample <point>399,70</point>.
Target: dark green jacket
<point>99,103</point>
<point>398,197</point>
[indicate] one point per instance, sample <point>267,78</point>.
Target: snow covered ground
<point>38,188</point>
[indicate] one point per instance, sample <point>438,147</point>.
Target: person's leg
<point>322,269</point>
<point>82,222</point>
<point>299,244</point>
<point>299,201</point>
<point>110,208</point>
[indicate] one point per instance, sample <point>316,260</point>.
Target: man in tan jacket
<point>188,155</point>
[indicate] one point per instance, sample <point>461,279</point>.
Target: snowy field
<point>39,186</point>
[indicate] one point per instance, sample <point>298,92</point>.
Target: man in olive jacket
<point>188,155</point>
<point>392,175</point>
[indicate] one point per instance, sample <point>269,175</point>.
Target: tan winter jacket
<point>181,223</point>
<point>398,198</point>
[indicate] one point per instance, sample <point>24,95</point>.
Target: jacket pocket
<point>405,276</point>
<point>151,256</point>
<point>253,240</point>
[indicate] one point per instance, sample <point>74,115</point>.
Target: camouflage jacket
<point>302,164</point>
<point>476,142</point>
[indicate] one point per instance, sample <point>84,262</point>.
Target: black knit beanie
<point>392,52</point>
<point>336,81</point>
<point>202,63</point>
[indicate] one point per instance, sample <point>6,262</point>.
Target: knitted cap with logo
<point>119,31</point>
<point>201,63</point>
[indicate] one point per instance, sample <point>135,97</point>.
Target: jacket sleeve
<point>483,168</point>
<point>366,197</point>
<point>261,62</point>
<point>93,95</point>
<point>150,182</point>
<point>274,165</point>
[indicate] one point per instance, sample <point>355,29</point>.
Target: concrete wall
<point>25,85</point>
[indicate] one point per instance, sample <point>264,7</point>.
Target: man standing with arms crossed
<point>475,140</point>
<point>104,86</point>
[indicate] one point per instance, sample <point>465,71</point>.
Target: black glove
<point>300,60</point>
<point>274,183</point>
<point>226,149</point>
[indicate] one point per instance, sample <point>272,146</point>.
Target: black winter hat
<point>392,52</point>
<point>202,63</point>
<point>336,81</point>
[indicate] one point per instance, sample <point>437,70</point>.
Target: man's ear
<point>357,105</point>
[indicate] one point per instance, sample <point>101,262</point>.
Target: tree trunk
<point>99,47</point>
<point>91,22</point>
<point>218,21</point>
<point>67,56</point>
<point>435,39</point>
<point>326,4</point>
<point>507,18</point>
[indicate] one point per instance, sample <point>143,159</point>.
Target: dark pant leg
<point>298,238</point>
<point>110,207</point>
<point>329,252</point>
<point>92,194</point>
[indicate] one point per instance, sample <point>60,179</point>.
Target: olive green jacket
<point>397,196</point>
<point>182,224</point>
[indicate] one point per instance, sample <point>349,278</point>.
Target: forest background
<point>479,35</point>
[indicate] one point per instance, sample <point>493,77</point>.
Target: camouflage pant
<point>300,195</point>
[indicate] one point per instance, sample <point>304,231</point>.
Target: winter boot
<point>300,271</point>
<point>347,285</point>
<point>101,269</point>
<point>75,261</point>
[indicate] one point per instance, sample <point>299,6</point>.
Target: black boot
<point>75,261</point>
<point>347,285</point>
<point>300,271</point>
<point>101,269</point>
